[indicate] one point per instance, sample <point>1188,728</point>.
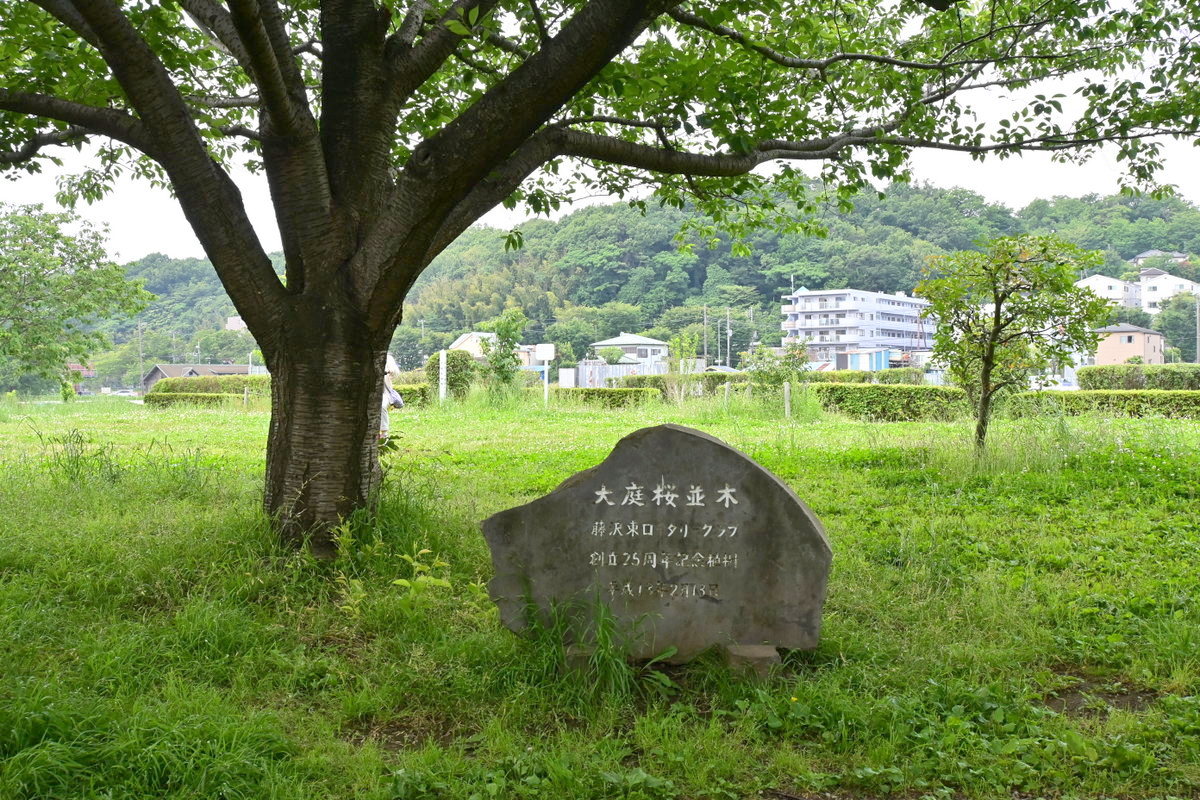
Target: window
<point>1154,288</point>
<point>1127,339</point>
<point>643,352</point>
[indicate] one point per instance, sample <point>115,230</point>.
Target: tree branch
<point>500,183</point>
<point>30,149</point>
<point>411,26</point>
<point>210,200</point>
<point>251,101</point>
<point>540,21</point>
<point>215,21</point>
<point>88,119</point>
<point>64,12</point>
<point>280,85</point>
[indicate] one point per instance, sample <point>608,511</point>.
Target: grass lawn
<point>1024,626</point>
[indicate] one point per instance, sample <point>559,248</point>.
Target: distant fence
<point>589,375</point>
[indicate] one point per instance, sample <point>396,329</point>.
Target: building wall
<point>1117,348</point>
<point>843,320</point>
<point>1158,289</point>
<point>1122,293</point>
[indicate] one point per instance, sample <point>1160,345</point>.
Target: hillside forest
<point>603,270</point>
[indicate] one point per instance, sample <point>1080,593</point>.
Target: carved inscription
<point>687,541</point>
<point>671,510</point>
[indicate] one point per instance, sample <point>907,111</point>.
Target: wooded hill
<point>605,269</point>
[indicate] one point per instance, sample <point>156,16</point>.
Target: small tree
<point>502,364</point>
<point>1177,322</point>
<point>611,355</point>
<point>54,287</point>
<point>795,359</point>
<point>768,370</point>
<point>681,363</point>
<point>1008,311</point>
<point>460,369</point>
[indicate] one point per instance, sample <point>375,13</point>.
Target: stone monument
<point>686,540</point>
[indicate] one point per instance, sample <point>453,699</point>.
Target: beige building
<point>473,343</point>
<point>1122,342</point>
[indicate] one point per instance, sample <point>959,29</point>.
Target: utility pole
<point>719,361</point>
<point>706,336</point>
<point>728,339</point>
<point>141,355</point>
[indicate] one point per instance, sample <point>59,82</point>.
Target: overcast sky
<point>144,220</point>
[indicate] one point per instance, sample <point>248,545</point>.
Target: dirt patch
<point>1090,695</point>
<point>405,733</point>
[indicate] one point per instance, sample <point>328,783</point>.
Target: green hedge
<point>415,394</point>
<point>886,403</point>
<point>656,382</point>
<point>173,398</point>
<point>838,376</point>
<point>709,382</point>
<point>910,376</point>
<point>608,397</point>
<point>1141,376</point>
<point>215,384</point>
<point>1184,404</point>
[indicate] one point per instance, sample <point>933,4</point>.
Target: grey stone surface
<point>687,541</point>
<point>753,659</point>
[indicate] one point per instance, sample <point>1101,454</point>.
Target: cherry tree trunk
<point>323,445</point>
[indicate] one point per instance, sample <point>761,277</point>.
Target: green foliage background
<point>606,269</point>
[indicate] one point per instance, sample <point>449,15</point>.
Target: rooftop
<point>628,340</point>
<point>1125,328</point>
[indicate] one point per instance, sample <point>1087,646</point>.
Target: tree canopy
<point>54,287</point>
<point>1008,312</point>
<point>384,131</point>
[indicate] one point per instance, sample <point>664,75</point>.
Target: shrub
<point>913,376</point>
<point>259,385</point>
<point>1141,376</point>
<point>656,382</point>
<point>837,376</point>
<point>207,399</point>
<point>713,381</point>
<point>892,403</point>
<point>415,394</point>
<point>460,370</point>
<point>608,397</point>
<point>1173,376</point>
<point>1115,376</point>
<point>709,382</point>
<point>1184,404</point>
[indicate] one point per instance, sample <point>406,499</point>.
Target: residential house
<point>639,350</point>
<point>1118,292</point>
<point>82,371</point>
<point>1122,342</point>
<point>472,343</point>
<point>1158,287</point>
<point>160,371</point>
<point>1141,258</point>
<point>838,322</point>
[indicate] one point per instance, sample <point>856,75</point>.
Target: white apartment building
<point>1114,290</point>
<point>846,320</point>
<point>1158,287</point>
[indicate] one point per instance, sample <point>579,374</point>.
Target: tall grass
<point>1022,624</point>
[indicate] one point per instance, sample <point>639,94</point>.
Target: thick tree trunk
<point>323,448</point>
